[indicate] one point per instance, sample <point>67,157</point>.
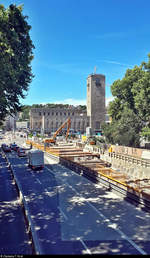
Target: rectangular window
<point>98,82</point>
<point>97,125</point>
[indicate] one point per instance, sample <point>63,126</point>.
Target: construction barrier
<point>90,165</point>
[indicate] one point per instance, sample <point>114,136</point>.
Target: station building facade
<point>49,119</point>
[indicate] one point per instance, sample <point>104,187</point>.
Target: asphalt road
<point>100,219</point>
<point>68,214</point>
<point>14,238</point>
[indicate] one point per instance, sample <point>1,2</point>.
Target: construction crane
<point>53,140</point>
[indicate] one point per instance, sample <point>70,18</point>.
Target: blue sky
<point>71,37</point>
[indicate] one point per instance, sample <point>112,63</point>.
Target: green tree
<point>108,130</point>
<point>145,133</point>
<point>122,90</point>
<point>15,59</point>
<point>130,109</point>
<point>25,112</point>
<point>141,93</point>
<point>127,129</point>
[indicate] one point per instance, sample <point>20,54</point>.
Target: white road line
<point>85,246</point>
<point>108,221</point>
<point>64,215</point>
<point>131,242</point>
<point>38,181</point>
<point>117,229</point>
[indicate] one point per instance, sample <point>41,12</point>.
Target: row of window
<point>56,114</point>
<point>56,124</point>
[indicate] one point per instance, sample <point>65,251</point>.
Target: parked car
<point>6,148</point>
<point>14,146</point>
<point>21,152</point>
<point>3,144</point>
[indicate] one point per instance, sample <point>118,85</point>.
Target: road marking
<point>131,242</point>
<point>64,215</point>
<point>38,181</point>
<point>104,217</point>
<point>85,246</point>
<point>110,225</point>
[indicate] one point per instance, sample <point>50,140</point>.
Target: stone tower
<point>96,101</point>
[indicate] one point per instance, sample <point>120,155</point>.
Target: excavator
<point>53,140</point>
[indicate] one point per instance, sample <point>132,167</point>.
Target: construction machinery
<point>91,140</point>
<point>53,139</point>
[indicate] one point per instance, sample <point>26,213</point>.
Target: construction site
<point>77,193</point>
<point>123,169</point>
<point>77,196</point>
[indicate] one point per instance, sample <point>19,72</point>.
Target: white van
<point>36,159</point>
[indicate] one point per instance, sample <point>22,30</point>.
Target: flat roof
<point>95,75</point>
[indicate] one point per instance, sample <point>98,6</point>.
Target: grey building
<point>22,125</point>
<point>49,119</point>
<point>10,122</point>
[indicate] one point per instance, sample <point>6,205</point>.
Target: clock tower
<point>96,101</point>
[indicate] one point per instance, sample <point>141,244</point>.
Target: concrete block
<point>146,172</point>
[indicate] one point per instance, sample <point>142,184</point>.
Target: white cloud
<point>70,101</point>
<point>108,100</point>
<point>76,102</point>
<point>116,63</point>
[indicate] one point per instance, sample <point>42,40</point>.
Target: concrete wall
<point>134,169</point>
<point>135,152</point>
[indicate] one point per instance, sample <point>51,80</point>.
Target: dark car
<point>6,148</point>
<point>21,152</point>
<point>14,146</point>
<point>3,144</point>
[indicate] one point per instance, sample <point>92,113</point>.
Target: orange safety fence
<point>41,147</point>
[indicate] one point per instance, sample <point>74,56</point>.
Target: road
<point>69,214</point>
<point>14,238</point>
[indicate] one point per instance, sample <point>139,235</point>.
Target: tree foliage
<point>15,58</point>
<point>25,113</point>
<point>145,133</point>
<point>130,109</point>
